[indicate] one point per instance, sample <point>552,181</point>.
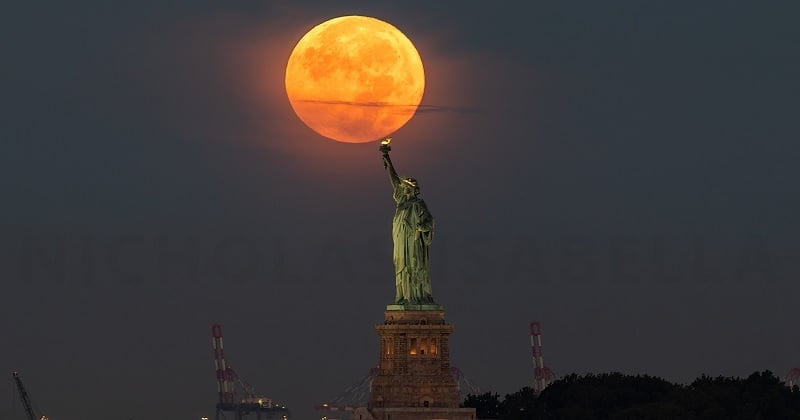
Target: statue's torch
<point>385,148</point>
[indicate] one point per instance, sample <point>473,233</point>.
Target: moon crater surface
<point>355,79</point>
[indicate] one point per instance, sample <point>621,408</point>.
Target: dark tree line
<point>615,396</point>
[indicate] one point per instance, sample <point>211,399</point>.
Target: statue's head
<point>410,186</point>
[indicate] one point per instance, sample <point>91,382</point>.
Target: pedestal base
<point>414,381</point>
<point>424,413</point>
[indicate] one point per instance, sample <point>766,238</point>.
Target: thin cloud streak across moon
<point>420,109</point>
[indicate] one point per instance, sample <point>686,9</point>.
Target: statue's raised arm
<point>385,148</point>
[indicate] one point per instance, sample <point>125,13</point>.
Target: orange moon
<point>355,79</point>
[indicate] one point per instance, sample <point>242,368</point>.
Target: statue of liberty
<point>412,234</point>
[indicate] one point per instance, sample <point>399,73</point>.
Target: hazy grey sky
<point>624,172</point>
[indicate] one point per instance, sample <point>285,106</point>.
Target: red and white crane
<point>225,375</point>
<point>542,375</point>
<point>250,402</point>
<point>793,377</point>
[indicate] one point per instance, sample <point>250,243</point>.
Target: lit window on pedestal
<point>423,346</point>
<point>434,349</point>
<point>412,349</point>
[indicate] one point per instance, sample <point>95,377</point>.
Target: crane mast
<point>793,378</point>
<point>23,395</point>
<point>542,375</point>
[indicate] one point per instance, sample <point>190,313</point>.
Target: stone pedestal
<point>414,380</point>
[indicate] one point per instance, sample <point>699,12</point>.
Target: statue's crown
<point>410,181</point>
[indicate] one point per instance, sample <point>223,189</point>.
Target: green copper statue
<point>412,233</point>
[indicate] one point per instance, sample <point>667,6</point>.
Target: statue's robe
<point>412,232</point>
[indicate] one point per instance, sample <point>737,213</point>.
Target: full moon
<point>355,79</point>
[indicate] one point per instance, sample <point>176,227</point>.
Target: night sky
<point>625,172</point>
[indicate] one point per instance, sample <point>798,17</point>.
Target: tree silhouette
<point>487,405</point>
<point>616,396</point>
